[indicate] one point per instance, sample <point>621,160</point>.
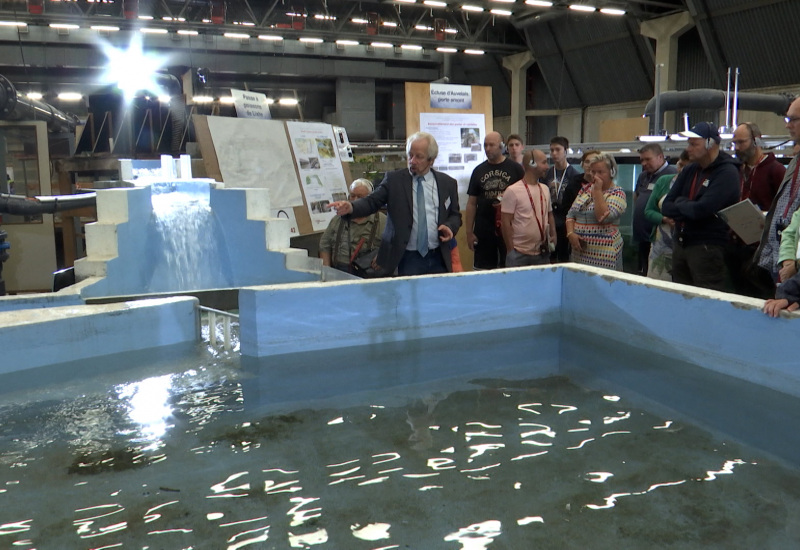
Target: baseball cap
<point>704,130</point>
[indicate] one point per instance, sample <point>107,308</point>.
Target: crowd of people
<point>522,211</point>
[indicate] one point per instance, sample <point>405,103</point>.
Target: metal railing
<point>211,315</point>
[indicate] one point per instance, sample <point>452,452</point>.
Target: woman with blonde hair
<point>593,220</point>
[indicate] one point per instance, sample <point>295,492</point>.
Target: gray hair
<point>433,147</point>
<point>609,161</point>
<point>361,182</point>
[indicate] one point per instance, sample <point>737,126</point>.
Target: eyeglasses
<point>791,119</point>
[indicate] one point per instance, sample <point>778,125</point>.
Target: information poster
<point>460,138</point>
<point>254,153</point>
<point>321,174</point>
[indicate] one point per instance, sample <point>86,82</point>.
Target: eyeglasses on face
<point>791,119</point>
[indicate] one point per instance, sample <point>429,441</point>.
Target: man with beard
<point>760,177</point>
<point>486,186</point>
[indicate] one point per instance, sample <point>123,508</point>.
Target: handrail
<point>226,325</point>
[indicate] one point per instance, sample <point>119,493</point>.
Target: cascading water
<point>191,255</point>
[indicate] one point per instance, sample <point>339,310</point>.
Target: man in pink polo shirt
<point>529,228</point>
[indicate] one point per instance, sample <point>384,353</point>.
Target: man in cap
<point>706,186</point>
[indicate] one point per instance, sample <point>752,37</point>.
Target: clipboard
<point>745,219</point>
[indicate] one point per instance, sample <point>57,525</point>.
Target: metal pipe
<point>715,100</point>
<point>15,107</point>
<point>20,205</point>
<point>735,107</point>
<point>657,121</point>
<point>728,102</point>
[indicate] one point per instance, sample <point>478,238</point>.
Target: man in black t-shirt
<point>564,185</point>
<point>486,186</point>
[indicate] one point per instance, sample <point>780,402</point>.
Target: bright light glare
<point>132,69</point>
<point>69,96</point>
<point>33,95</point>
<point>540,3</point>
<point>612,11</point>
<point>581,7</point>
<point>287,101</point>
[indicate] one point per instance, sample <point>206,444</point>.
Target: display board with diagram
<point>299,162</point>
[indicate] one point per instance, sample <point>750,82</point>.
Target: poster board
<point>253,153</point>
<point>418,101</point>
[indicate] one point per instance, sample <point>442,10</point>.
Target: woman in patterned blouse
<point>593,220</point>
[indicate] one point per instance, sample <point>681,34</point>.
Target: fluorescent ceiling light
<point>388,23</point>
<point>648,139</point>
<point>149,30</point>
<point>474,52</point>
<point>435,3</point>
<point>359,21</point>
<point>179,19</point>
<point>540,3</point>
<point>244,23</point>
<point>469,7</point>
<point>347,42</point>
<point>581,7</point>
<point>146,17</point>
<point>501,12</point>
<point>446,50</point>
<point>13,24</point>
<point>381,45</point>
<point>270,101</point>
<point>296,14</point>
<point>33,95</point>
<point>271,37</point>
<point>64,26</point>
<point>202,99</point>
<point>505,1</point>
<point>411,46</point>
<point>188,32</point>
<point>612,11</point>
<point>239,35</point>
<point>164,99</point>
<point>226,99</point>
<point>406,1</point>
<point>423,28</point>
<point>451,31</point>
<point>104,28</point>
<point>288,101</point>
<point>325,17</point>
<point>70,96</point>
<point>311,40</point>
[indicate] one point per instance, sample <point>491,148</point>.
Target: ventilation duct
<point>715,100</point>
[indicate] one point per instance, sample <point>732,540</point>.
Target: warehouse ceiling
<point>580,58</point>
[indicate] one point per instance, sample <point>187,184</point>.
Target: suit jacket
<point>394,192</point>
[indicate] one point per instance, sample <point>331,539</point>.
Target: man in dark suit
<point>423,213</point>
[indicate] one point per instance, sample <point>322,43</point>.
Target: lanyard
<point>792,192</point>
<point>748,175</point>
<point>560,183</point>
<point>539,224</point>
<point>693,188</point>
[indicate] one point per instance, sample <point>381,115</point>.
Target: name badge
<point>651,186</point>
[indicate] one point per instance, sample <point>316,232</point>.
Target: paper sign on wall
<point>250,104</point>
<point>451,96</point>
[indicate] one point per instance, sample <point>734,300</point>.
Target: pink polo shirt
<point>527,237</point>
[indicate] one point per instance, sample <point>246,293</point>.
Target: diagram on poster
<point>254,153</point>
<point>320,169</point>
<point>460,138</point>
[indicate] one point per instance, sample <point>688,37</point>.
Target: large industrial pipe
<point>20,205</point>
<point>715,99</point>
<point>16,107</point>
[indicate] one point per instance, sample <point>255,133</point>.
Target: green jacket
<point>652,213</point>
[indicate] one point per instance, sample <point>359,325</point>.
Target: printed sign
<point>451,96</point>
